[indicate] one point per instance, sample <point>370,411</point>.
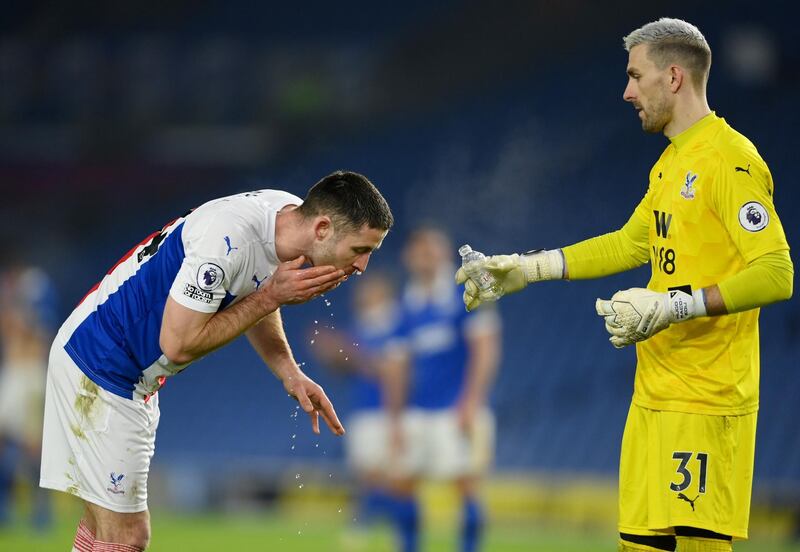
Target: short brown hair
<point>351,201</point>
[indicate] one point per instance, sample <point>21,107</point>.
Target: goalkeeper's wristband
<point>542,265</point>
<point>683,305</point>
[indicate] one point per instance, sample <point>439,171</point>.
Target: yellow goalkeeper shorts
<point>679,469</point>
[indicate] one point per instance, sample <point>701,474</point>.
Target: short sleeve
<point>482,321</point>
<point>397,342</point>
<point>743,198</point>
<point>212,261</point>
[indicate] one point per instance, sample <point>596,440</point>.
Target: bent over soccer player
<point>222,270</point>
<point>718,252</point>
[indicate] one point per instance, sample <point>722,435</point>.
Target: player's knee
<point>645,543</point>
<point>131,531</point>
<point>141,535</point>
<point>138,533</point>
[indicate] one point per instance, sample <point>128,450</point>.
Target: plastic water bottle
<point>484,279</point>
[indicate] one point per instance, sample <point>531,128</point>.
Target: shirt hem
<point>57,486</point>
<point>94,376</point>
<point>767,248</point>
<point>695,408</point>
<point>208,308</point>
<point>738,534</point>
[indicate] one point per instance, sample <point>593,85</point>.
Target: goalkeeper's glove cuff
<point>636,314</point>
<point>542,265</point>
<point>683,306</point>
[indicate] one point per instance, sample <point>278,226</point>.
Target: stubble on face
<point>652,99</point>
<point>323,253</point>
<point>658,112</point>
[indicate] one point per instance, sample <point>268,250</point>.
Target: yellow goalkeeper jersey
<point>707,213</point>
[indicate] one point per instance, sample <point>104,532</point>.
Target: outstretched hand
<point>505,269</point>
<point>313,401</point>
<point>292,284</point>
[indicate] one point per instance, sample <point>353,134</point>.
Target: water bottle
<point>492,291</point>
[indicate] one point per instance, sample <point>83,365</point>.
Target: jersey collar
<point>691,133</point>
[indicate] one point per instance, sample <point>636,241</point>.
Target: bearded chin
<point>322,254</point>
<point>654,127</point>
<point>655,122</point>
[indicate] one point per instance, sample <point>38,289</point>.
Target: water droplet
<point>347,358</point>
<point>297,476</point>
<point>300,486</point>
<point>316,321</point>
<point>327,303</point>
<point>316,332</point>
<point>312,341</point>
<point>292,447</point>
<point>340,510</point>
<point>340,350</point>
<point>294,435</point>
<point>316,446</point>
<point>300,533</point>
<point>330,475</point>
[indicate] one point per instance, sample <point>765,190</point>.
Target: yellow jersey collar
<point>691,133</point>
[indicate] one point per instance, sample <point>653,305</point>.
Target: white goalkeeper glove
<point>512,272</point>
<point>636,314</point>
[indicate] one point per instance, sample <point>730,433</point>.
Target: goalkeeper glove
<point>512,272</point>
<point>635,314</point>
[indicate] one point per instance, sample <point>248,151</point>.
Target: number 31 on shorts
<point>685,472</point>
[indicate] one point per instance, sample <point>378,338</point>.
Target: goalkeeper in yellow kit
<point>708,226</point>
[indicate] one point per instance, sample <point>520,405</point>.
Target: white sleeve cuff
<point>699,297</point>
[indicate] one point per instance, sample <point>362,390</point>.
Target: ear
<point>323,227</point>
<point>676,77</point>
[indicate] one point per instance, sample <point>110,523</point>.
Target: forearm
<point>768,279</point>
<point>394,380</point>
<point>604,255</point>
<point>183,344</point>
<point>268,339</point>
<point>482,366</point>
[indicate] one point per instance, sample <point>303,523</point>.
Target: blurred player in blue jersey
<point>443,365</point>
<point>222,270</point>
<point>361,355</point>
<point>28,320</point>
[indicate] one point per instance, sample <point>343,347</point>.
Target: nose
<point>361,262</point>
<point>629,94</point>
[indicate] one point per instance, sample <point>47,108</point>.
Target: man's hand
<point>512,272</point>
<point>636,314</point>
<point>291,284</point>
<point>506,270</point>
<point>466,412</point>
<point>396,438</point>
<point>313,401</point>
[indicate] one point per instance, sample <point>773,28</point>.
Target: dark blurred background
<point>501,121</point>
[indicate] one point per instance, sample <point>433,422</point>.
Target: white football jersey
<point>207,260</point>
